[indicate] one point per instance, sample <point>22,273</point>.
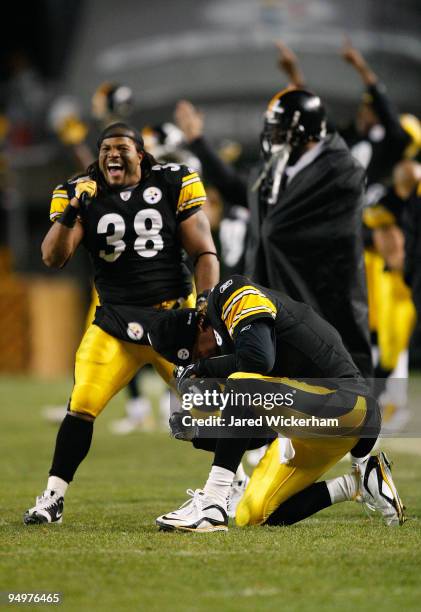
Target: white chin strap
<point>280,161</point>
<point>276,163</point>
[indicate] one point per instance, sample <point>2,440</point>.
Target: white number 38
<point>147,225</point>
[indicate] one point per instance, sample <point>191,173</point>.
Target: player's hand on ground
<point>85,189</point>
<point>189,120</point>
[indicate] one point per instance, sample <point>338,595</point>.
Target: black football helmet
<point>294,117</point>
<point>112,101</point>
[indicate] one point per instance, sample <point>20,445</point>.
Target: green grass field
<point>108,554</point>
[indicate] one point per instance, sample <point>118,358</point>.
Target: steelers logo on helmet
<point>135,331</point>
<point>183,353</point>
<point>112,100</point>
<point>152,195</point>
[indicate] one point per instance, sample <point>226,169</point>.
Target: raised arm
<point>232,186</point>
<point>382,105</point>
<point>288,63</point>
<point>355,58</point>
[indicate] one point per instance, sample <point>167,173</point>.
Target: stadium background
<point>219,54</point>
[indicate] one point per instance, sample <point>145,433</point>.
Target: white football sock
<point>344,488</point>
<point>55,483</point>
<point>240,474</point>
<point>218,485</point>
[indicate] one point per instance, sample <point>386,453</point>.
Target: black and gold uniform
<point>392,309</point>
<point>308,346</point>
<point>132,237</point>
<point>271,344</point>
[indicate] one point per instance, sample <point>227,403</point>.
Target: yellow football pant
<point>272,483</point>
<point>390,309</point>
<point>374,265</point>
<point>104,365</point>
<point>396,318</point>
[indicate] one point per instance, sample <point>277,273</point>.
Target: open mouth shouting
<point>115,171</point>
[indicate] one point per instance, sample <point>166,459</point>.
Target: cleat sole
<point>166,527</point>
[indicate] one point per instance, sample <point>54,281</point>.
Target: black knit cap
<point>173,334</point>
<point>123,130</point>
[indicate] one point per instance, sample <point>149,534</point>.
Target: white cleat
<point>128,425</point>
<point>139,417</point>
<point>377,491</point>
<point>236,493</point>
<point>48,509</point>
<point>199,513</point>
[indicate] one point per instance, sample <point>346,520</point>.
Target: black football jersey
<point>390,210</point>
<point>132,235</point>
<point>307,346</point>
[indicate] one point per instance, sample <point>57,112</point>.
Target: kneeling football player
<point>266,342</point>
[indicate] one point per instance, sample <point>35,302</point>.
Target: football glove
<point>179,430</point>
<point>85,190</point>
<point>184,373</point>
<point>202,300</point>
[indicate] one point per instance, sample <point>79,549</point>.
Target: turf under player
<point>268,341</point>
<point>139,217</point>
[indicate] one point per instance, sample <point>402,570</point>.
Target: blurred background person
<point>229,195</point>
<point>412,232</point>
<point>393,305</point>
<point>376,137</point>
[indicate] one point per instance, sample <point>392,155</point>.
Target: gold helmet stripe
<point>278,96</point>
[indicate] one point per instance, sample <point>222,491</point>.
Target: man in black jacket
<point>305,212</point>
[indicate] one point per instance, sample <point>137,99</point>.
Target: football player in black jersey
<point>391,301</point>
<point>111,102</point>
<point>134,217</point>
<point>267,341</point>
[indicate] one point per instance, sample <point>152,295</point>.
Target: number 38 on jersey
<point>147,225</point>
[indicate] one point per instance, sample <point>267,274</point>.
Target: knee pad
<point>87,399</point>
